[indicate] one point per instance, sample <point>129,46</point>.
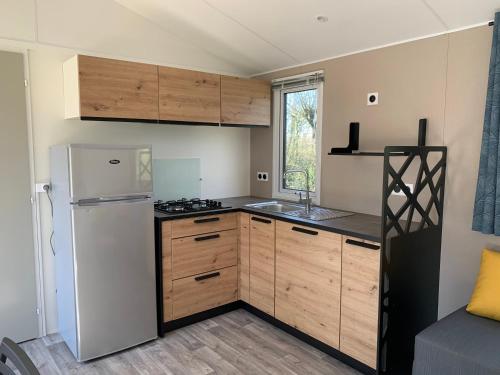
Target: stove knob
<point>219,204</point>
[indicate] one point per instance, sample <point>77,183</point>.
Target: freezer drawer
<point>114,277</point>
<point>109,171</point>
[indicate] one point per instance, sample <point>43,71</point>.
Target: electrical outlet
<point>372,98</point>
<point>397,190</point>
<point>262,176</point>
<point>39,187</point>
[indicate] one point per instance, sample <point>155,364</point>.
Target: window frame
<point>279,192</point>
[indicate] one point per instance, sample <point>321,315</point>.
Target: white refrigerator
<point>103,221</point>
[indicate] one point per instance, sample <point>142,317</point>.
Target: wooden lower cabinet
<point>203,292</point>
<point>199,269</point>
<point>360,300</point>
<point>262,263</point>
<point>321,283</point>
<point>166,240</point>
<point>244,257</point>
<point>308,279</point>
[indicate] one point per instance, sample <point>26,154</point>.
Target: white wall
<point>53,32</point>
<point>224,152</point>
<point>102,27</point>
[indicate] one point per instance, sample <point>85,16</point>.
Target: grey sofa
<point>459,344</point>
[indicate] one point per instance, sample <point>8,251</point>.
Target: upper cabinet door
<point>116,89</point>
<point>189,96</point>
<point>245,101</point>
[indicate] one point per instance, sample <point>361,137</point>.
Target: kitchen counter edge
<point>364,226</point>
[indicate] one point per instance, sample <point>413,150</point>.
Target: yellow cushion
<point>485,300</point>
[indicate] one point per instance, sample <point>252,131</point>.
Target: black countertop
<point>367,227</point>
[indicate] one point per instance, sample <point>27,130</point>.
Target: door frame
<point>35,204</point>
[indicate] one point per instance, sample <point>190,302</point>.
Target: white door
<point>18,318</point>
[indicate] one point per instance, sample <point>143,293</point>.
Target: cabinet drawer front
<point>360,300</point>
<point>308,280</point>
<point>204,253</point>
<point>203,224</point>
<point>203,292</point>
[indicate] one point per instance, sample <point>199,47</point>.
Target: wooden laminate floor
<point>233,343</point>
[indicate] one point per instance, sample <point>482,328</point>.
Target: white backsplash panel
<point>176,178</point>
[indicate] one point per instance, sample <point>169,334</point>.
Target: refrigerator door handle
<point>101,201</point>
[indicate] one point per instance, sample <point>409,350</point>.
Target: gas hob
<point>188,205</point>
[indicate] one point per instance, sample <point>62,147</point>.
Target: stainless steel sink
<point>319,213</point>
<point>290,209</point>
<point>275,206</point>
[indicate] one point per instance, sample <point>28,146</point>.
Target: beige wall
<point>442,79</point>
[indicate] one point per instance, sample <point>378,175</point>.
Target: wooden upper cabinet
<point>99,88</point>
<point>245,101</point>
<point>360,300</point>
<point>105,88</point>
<point>189,96</point>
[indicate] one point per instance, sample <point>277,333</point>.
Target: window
<point>298,134</point>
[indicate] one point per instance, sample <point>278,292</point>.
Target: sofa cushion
<point>485,300</point>
<point>459,344</point>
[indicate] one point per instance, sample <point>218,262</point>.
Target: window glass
<point>299,141</point>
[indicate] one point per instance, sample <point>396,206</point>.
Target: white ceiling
<point>261,35</point>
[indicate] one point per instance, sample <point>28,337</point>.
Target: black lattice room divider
<point>411,251</point>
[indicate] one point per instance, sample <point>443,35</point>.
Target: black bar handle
<point>208,220</point>
<point>209,276</point>
<point>362,244</point>
<point>204,238</point>
<point>260,220</point>
<point>306,231</point>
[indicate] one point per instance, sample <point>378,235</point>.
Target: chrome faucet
<point>307,205</point>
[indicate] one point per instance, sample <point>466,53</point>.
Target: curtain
<point>486,217</point>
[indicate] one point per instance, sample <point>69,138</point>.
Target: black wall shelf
<point>352,148</point>
<point>365,153</point>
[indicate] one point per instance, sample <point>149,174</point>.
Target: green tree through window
<point>299,138</point>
